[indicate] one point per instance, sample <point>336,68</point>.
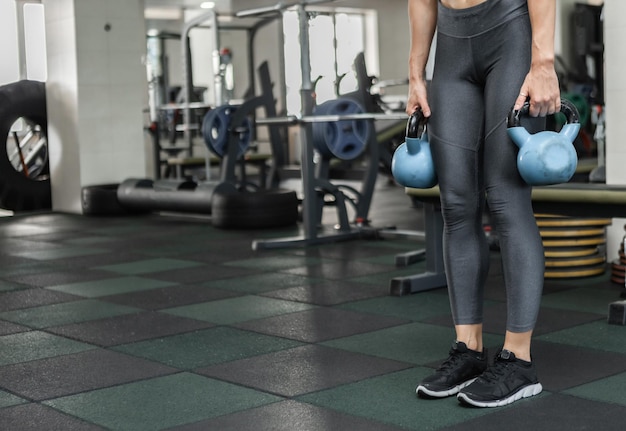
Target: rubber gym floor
<point>164,322</point>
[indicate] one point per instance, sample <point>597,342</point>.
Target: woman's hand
<point>541,88</point>
<point>418,98</point>
<point>541,85</point>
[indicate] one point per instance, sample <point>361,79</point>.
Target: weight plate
<point>562,222</point>
<point>216,131</point>
<point>570,252</point>
<point>343,139</point>
<point>575,242</point>
<point>574,262</point>
<point>575,272</point>
<point>562,233</point>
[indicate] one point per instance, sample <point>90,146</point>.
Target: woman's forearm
<point>422,21</point>
<point>542,20</point>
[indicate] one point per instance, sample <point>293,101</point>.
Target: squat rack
<point>305,122</point>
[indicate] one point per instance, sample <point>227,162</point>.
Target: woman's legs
<point>508,196</point>
<point>476,80</point>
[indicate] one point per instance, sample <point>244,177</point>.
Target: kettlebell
<point>412,162</point>
<point>545,157</point>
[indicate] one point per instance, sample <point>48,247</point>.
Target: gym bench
<point>569,199</point>
<point>179,165</point>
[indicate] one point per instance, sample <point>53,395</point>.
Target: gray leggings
<point>482,57</point>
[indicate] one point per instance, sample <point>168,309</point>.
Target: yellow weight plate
<point>574,273</point>
<point>583,261</point>
<point>552,216</point>
<point>570,232</point>
<point>570,252</point>
<point>574,242</point>
<point>552,222</point>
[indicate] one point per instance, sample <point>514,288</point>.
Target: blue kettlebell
<point>412,163</point>
<point>546,157</point>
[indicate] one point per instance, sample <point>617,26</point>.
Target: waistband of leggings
<point>478,19</point>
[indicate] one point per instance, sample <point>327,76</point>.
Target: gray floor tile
<point>320,324</point>
<point>129,328</point>
<point>288,416</point>
<point>302,370</point>
<point>69,374</point>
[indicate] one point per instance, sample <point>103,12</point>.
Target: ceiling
<point>222,6</point>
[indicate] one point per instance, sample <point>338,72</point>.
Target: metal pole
<point>210,16</point>
<point>310,202</point>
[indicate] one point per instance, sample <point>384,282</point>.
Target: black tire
<point>254,210</point>
<point>18,191</point>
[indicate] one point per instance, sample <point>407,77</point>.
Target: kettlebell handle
<point>567,108</point>
<point>416,124</point>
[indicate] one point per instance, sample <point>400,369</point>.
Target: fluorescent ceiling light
<point>163,13</point>
<point>207,5</point>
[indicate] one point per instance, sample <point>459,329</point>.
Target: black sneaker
<point>459,370</point>
<point>509,379</point>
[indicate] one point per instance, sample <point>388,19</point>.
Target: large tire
<point>254,210</point>
<point>18,191</point>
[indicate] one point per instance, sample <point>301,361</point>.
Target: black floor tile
<point>70,374</point>
<point>332,292</point>
<point>129,328</point>
<point>562,366</point>
<point>67,276</point>
<point>65,221</point>
<point>550,412</point>
<point>347,250</point>
<point>339,270</point>
<point>169,297</point>
<point>288,416</point>
<point>58,236</point>
<point>35,417</point>
<point>302,370</point>
<point>320,324</point>
<point>200,274</point>
<point>21,228</point>
<point>7,328</point>
<point>9,260</point>
<point>26,298</point>
<point>100,259</point>
<point>16,246</point>
<point>236,250</point>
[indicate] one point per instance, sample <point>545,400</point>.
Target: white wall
<point>9,66</point>
<point>615,92</point>
<point>96,92</point>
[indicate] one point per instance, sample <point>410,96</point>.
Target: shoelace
<point>499,369</point>
<point>451,362</point>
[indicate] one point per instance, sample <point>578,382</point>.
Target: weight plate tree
<point>24,169</point>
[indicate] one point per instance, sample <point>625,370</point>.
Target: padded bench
<point>178,165</point>
<point>569,199</point>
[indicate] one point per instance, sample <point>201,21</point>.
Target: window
<point>336,37</point>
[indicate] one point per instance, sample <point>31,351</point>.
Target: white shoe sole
<point>525,392</point>
<point>442,394</point>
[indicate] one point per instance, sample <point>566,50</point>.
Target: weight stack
<point>573,247</point>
